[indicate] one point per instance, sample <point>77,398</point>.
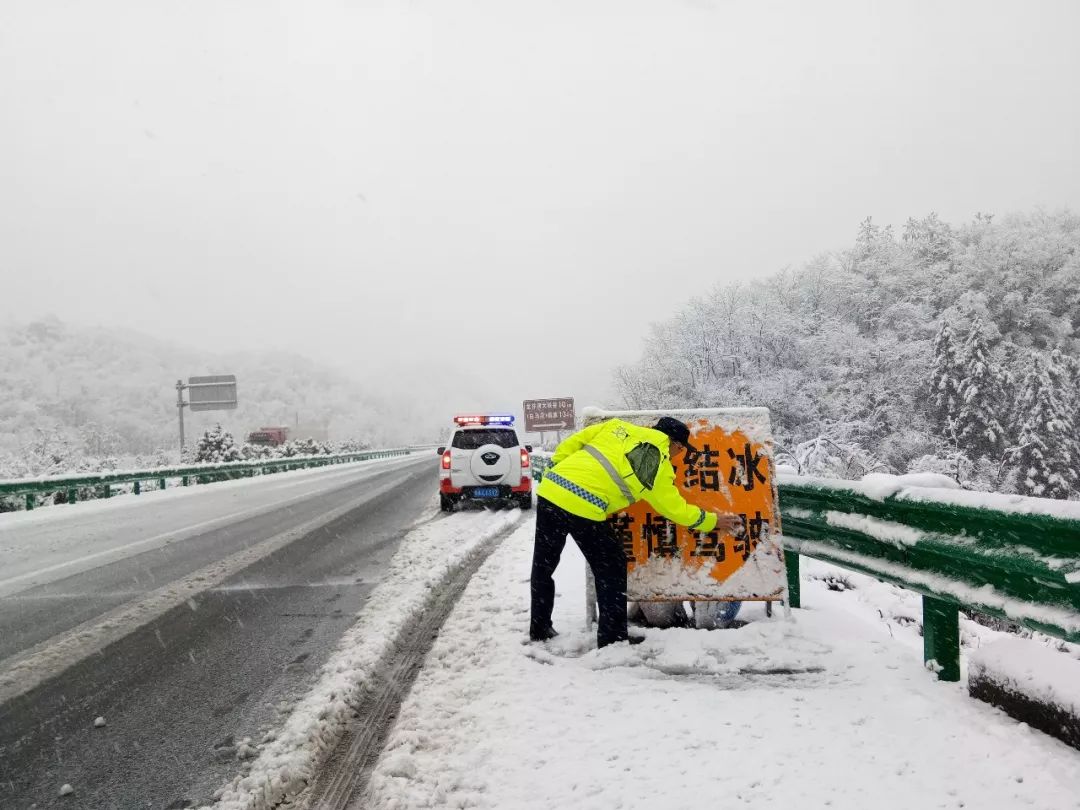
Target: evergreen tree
<point>978,424</point>
<point>216,446</point>
<point>1064,372</point>
<point>1045,464</point>
<point>1010,385</point>
<point>946,375</point>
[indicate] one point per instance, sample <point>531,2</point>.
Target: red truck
<point>272,436</point>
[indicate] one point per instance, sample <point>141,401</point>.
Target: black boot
<point>542,635</point>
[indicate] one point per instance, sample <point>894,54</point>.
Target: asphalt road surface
<point>181,692</point>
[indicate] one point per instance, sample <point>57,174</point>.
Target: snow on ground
<point>831,709</point>
<point>985,595</point>
<point>1034,670</point>
<point>900,611</point>
<point>429,553</point>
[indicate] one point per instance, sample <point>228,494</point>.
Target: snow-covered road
<point>831,710</point>
<point>50,544</point>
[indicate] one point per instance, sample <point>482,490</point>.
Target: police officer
<point>596,472</point>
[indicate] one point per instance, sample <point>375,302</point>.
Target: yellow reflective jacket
<point>606,467</point>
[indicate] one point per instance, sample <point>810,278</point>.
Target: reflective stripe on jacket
<point>606,467</point>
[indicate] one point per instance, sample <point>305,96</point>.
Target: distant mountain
<point>101,392</point>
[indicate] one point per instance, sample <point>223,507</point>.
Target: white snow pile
<point>1030,669</point>
<point>286,764</point>
<point>833,709</point>
<point>888,531</point>
<point>881,485</point>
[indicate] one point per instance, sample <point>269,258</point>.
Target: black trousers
<point>601,550</point>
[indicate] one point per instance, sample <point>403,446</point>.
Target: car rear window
<point>472,439</point>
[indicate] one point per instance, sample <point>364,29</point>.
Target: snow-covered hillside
<point>941,348</point>
<point>70,391</point>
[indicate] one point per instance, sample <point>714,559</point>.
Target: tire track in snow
<point>345,774</point>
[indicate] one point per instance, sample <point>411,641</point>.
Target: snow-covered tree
<point>822,457</point>
<point>250,452</point>
<point>309,447</point>
<point>929,239</point>
<point>99,440</point>
<point>1064,373</point>
<point>946,376</point>
<point>977,424</point>
<point>842,347</point>
<point>353,446</point>
<point>1044,462</point>
<point>216,446</point>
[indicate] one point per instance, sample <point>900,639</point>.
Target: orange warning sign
<point>730,470</point>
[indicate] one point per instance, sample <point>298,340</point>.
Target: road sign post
<point>214,392</point>
<point>180,405</point>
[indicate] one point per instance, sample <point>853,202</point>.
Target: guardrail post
<point>136,488</point>
<point>941,637</point>
<point>30,501</point>
<point>106,491</point>
<point>73,495</point>
<point>161,484</point>
<point>186,480</point>
<point>791,562</point>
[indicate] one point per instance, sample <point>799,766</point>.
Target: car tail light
<point>446,460</point>
<point>524,457</point>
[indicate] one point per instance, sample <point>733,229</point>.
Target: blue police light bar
<point>485,419</point>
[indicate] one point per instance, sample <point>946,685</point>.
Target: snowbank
<point>286,764</point>
<point>1031,669</point>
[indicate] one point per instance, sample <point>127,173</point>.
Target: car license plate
<point>486,492</point>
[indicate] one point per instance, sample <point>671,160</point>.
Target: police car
<point>485,462</point>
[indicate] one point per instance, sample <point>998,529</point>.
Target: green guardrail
<point>537,464</point>
<point>100,485</point>
<point>1006,556</point>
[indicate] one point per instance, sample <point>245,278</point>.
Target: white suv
<point>485,462</point>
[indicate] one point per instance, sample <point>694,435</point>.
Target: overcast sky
<point>512,188</point>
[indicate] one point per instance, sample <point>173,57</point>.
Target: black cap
<point>676,431</point>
